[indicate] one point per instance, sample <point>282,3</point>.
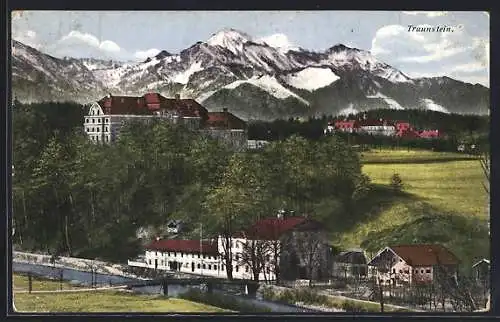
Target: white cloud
<point>430,14</point>
<point>471,67</point>
<point>27,37</point>
<point>455,54</point>
<point>85,45</point>
<point>144,54</point>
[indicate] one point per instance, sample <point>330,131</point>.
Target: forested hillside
<point>74,197</point>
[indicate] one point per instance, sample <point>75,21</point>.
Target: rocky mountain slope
<point>247,76</point>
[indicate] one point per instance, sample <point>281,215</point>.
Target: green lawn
<point>20,283</point>
<point>443,201</point>
<point>98,301</point>
<point>413,156</point>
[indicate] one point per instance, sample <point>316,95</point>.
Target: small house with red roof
<point>429,134</point>
<point>413,264</point>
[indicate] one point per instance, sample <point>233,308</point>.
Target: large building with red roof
<point>285,245</point>
<point>106,117</point>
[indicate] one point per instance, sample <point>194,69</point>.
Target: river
<point>85,278</point>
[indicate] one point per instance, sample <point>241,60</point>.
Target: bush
<point>396,182</point>
<point>350,306</point>
<point>222,301</point>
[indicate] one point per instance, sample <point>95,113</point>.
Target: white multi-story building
<point>106,117</point>
<point>262,250</point>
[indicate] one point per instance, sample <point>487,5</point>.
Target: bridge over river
<point>248,286</point>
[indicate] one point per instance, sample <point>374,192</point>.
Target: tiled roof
<point>224,120</point>
<point>149,103</point>
<point>181,245</point>
<point>274,228</point>
<point>425,254</point>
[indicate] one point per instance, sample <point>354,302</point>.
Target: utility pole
<point>381,293</point>
<point>201,247</point>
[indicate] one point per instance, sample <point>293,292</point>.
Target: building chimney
<point>224,110</point>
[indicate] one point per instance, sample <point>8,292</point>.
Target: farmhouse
<point>413,264</point>
<point>402,129</point>
<point>350,264</point>
<point>377,127</point>
<point>481,271</point>
<point>292,247</point>
<point>107,116</point>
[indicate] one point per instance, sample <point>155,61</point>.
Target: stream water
<point>85,278</point>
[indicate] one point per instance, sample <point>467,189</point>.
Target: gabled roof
<point>425,254</point>
<point>274,228</point>
<point>484,260</point>
<point>150,103</point>
<point>181,245</point>
<point>224,120</point>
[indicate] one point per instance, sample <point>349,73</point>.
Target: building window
<point>86,120</point>
<point>209,266</point>
<point>98,130</point>
<point>198,255</point>
<point>107,138</point>
<point>198,266</point>
<point>87,129</point>
<point>237,268</point>
<point>149,262</point>
<point>400,271</point>
<point>428,270</point>
<point>156,253</point>
<point>106,129</point>
<point>106,120</point>
<point>268,270</point>
<point>162,262</point>
<point>182,254</point>
<point>215,267</point>
<point>168,254</point>
<point>415,271</point>
<point>93,120</point>
<point>175,254</point>
<point>422,271</point>
<point>394,271</point>
<point>204,266</point>
<point>186,265</point>
<point>246,269</point>
<point>204,256</point>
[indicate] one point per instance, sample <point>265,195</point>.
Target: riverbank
<point>325,302</point>
<point>104,300</point>
<point>81,264</point>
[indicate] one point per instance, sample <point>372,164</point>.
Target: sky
<point>462,54</point>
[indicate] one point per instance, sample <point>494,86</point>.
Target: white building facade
<point>206,258</point>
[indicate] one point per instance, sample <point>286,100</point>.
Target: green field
<point>97,301</point>
<point>443,201</point>
<point>21,283</point>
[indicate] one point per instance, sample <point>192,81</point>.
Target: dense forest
<point>73,197</point>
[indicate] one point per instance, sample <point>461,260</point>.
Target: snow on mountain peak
<point>230,39</point>
<point>279,41</point>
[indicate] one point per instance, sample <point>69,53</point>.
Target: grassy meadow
<point>96,301</point>
<point>443,201</point>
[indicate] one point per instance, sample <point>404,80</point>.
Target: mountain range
<point>249,77</point>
